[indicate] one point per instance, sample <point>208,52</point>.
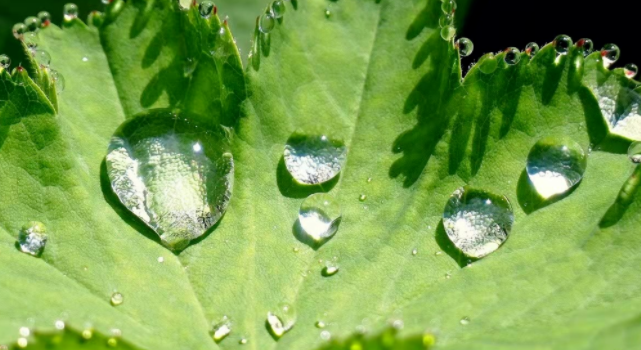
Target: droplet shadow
<point>530,200</point>
<point>271,331</point>
<point>448,247</point>
<point>290,188</point>
<point>624,199</point>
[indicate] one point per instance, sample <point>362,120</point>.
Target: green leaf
<point>376,74</point>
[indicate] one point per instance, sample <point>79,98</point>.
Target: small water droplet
<point>319,216</point>
<point>33,238</point>
<point>369,180</point>
<point>58,80</point>
<point>320,324</point>
<point>532,49</point>
<point>476,221</point>
<point>5,62</point>
<point>156,173</point>
<point>447,33</point>
<point>448,6</point>
<point>42,57</point>
<point>328,13</point>
<point>18,30</point>
<point>221,329</point>
<point>555,164</point>
<point>266,23</point>
<point>488,63</point>
<point>325,335</point>
<point>278,8</point>
<point>70,11</point>
<point>59,325</point>
<point>331,267</point>
<point>45,18</point>
<point>30,39</point>
<point>446,20</point>
<point>206,8</point>
<point>313,159</point>
<point>465,321</point>
<point>448,275</point>
<point>630,70</point>
<point>465,46</point>
<point>242,341</point>
<point>562,44</point>
<point>362,197</point>
<point>585,45</point>
<point>32,23</point>
<point>398,324</point>
<point>161,259</point>
<point>414,251</point>
<point>117,299</point>
<point>22,343</point>
<point>282,320</point>
<point>512,56</point>
<point>24,331</point>
<point>87,333</point>
<point>634,152</point>
<point>295,249</point>
<point>438,253</point>
<point>610,54</point>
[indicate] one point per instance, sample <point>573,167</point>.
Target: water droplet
<point>189,67</point>
<point>429,340</point>
<point>58,80</point>
<point>314,159</point>
<point>295,249</point>
<point>328,13</point>
<point>512,56</point>
<point>319,216</point>
<point>610,54</point>
<point>532,49</point>
<point>630,70</point>
<point>221,329</point>
<point>22,343</point>
<point>555,164</point>
<point>447,33</point>
<point>414,251</point>
<point>331,267</point>
<point>438,253</point>
<point>184,5</point>
<point>59,325</point>
<point>42,57</point>
<point>206,8</point>
<point>18,30</point>
<point>117,299</point>
<point>562,44</point>
<point>465,46</point>
<point>278,8</point>
<point>266,23</point>
<point>398,324</point>
<point>32,23</point>
<point>281,320</point>
<point>448,275</point>
<point>5,62</point>
<point>488,64</point>
<point>634,152</point>
<point>242,341</point>
<point>33,238</point>
<point>476,221</point>
<point>320,324</point>
<point>95,18</point>
<point>448,6</point>
<point>158,175</point>
<point>30,39</point>
<point>45,18</point>
<point>87,333</point>
<point>446,20</point>
<point>362,197</point>
<point>70,11</point>
<point>585,45</point>
<point>161,259</point>
<point>24,331</point>
<point>325,335</point>
<point>465,321</point>
<point>369,180</point>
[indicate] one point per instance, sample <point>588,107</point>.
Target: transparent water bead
<point>206,8</point>
<point>221,329</point>
<point>464,46</point>
<point>30,39</point>
<point>32,23</point>
<point>610,54</point>
<point>319,216</point>
<point>41,57</point>
<point>5,62</point>
<point>562,44</point>
<point>278,8</point>
<point>58,80</point>
<point>446,20</point>
<point>33,238</point>
<point>532,49</point>
<point>630,70</point>
<point>585,45</point>
<point>173,171</point>
<point>634,152</point>
<point>555,164</point>
<point>281,320</point>
<point>117,299</point>
<point>45,18</point>
<point>465,321</point>
<point>70,11</point>
<point>266,23</point>
<point>448,6</point>
<point>313,159</point>
<point>488,63</point>
<point>331,267</point>
<point>476,221</point>
<point>447,33</point>
<point>18,30</point>
<point>512,56</point>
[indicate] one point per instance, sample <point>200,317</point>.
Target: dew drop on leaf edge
<point>278,8</point>
<point>266,23</point>
<point>18,30</point>
<point>562,44</point>
<point>70,11</point>
<point>630,70</point>
<point>464,46</point>
<point>585,45</point>
<point>532,49</point>
<point>319,216</point>
<point>32,238</point>
<point>512,56</point>
<point>41,57</point>
<point>174,171</point>
<point>634,152</point>
<point>44,17</point>
<point>555,164</point>
<point>610,54</point>
<point>206,8</point>
<point>32,23</point>
<point>448,6</point>
<point>5,62</point>
<point>447,33</point>
<point>476,221</point>
<point>313,159</point>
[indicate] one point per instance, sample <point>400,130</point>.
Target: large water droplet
<point>610,54</point>
<point>266,23</point>
<point>448,6</point>
<point>562,44</point>
<point>313,160</point>
<point>32,23</point>
<point>281,320</point>
<point>532,49</point>
<point>585,45</point>
<point>278,8</point>
<point>221,329</point>
<point>18,30</point>
<point>174,172</point>
<point>206,8</point>
<point>447,33</point>
<point>70,11</point>
<point>630,70</point>
<point>319,216</point>
<point>464,46</point>
<point>117,299</point>
<point>446,20</point>
<point>634,152</point>
<point>488,64</point>
<point>476,221</point>
<point>33,238</point>
<point>512,56</point>
<point>555,164</point>
<point>45,18</point>
<point>5,62</point>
